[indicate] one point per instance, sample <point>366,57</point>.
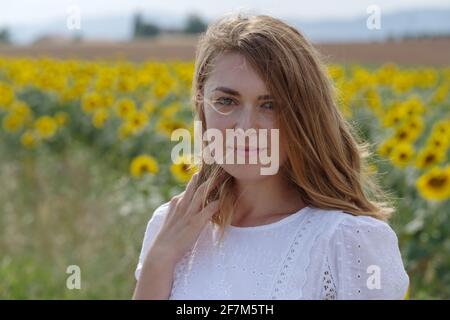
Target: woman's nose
<point>246,119</point>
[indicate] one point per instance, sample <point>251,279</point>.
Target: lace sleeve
<point>364,262</point>
<point>153,226</point>
<point>328,284</point>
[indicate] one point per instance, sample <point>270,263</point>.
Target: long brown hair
<point>326,161</point>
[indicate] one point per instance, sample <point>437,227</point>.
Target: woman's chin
<point>244,171</point>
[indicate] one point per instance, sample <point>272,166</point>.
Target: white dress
<point>311,254</point>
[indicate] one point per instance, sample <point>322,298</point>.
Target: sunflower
<point>171,110</point>
<point>125,107</point>
<point>407,133</point>
<point>394,115</point>
<point>91,101</point>
<point>149,107</point>
<point>413,106</point>
<point>28,139</point>
<point>429,157</point>
<point>402,154</point>
<point>137,121</point>
<point>126,84</point>
<point>12,123</point>
<point>46,126</point>
<point>6,95</point>
<point>440,94</point>
<point>183,168</point>
<point>99,118</point>
<point>437,141</point>
<point>415,124</point>
<point>385,148</point>
<point>435,184</point>
<point>124,131</point>
<point>22,109</point>
<point>143,164</point>
<point>442,128</point>
<point>166,126</point>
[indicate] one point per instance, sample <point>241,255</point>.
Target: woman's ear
<point>199,98</point>
<point>199,95</point>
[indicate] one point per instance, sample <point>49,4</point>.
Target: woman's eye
<point>224,101</point>
<point>267,105</point>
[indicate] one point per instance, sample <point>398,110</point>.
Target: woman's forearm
<point>156,277</point>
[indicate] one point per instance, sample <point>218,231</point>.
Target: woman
<point>313,230</point>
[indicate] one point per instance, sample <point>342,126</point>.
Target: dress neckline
<point>271,225</point>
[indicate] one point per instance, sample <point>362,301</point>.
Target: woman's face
<point>236,98</point>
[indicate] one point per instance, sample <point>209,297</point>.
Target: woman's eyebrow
<point>237,94</point>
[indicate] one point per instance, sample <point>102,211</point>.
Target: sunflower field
<point>85,158</point>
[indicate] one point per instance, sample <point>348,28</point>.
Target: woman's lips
<point>243,151</point>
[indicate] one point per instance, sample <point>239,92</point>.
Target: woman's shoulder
<point>155,221</point>
<point>159,213</point>
<point>338,221</point>
<point>363,253</point>
<point>154,224</point>
<point>162,209</point>
<point>341,228</point>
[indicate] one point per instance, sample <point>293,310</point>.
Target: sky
<point>19,12</point>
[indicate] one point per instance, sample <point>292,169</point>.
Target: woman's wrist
<point>160,257</point>
<point>156,276</point>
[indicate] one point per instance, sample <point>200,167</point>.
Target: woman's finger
<point>200,194</point>
<point>188,193</point>
<point>208,211</point>
<point>172,206</point>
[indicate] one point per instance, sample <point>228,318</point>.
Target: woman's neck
<point>265,199</point>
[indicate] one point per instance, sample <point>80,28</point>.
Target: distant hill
<point>119,28</point>
<point>393,25</point>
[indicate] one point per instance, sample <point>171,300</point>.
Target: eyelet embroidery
<point>281,279</point>
<point>358,258</point>
<point>329,286</point>
<point>280,283</point>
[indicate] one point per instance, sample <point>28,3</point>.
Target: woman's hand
<point>181,227</point>
<point>184,221</point>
